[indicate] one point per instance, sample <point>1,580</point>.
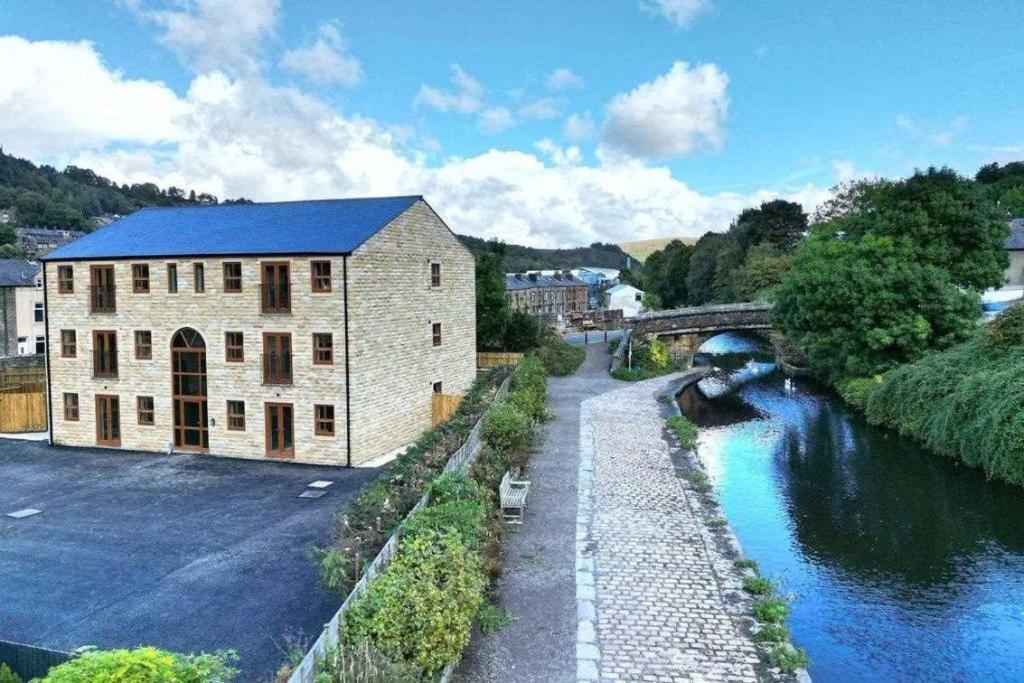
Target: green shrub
<point>857,391</point>
<point>700,481</point>
<point>530,374</point>
<point>561,358</point>
<point>772,633</point>
<point>758,585</point>
<point>685,430</point>
<point>419,610</point>
<point>530,401</point>
<point>8,676</point>
<point>363,663</point>
<point>492,619</point>
<point>650,359</point>
<point>788,658</point>
<point>771,610</point>
<point>1006,330</point>
<point>144,665</point>
<point>507,429</point>
<point>745,563</point>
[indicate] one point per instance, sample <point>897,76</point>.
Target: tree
<point>762,273</point>
<point>492,312</point>
<point>950,222</point>
<point>861,306</point>
<point>778,223</point>
<point>700,276</point>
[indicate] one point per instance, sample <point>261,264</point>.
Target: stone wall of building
<point>9,321</point>
<point>393,308</point>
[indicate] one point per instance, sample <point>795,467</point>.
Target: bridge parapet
<point>725,317</point>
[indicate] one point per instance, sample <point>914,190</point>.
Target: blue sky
<point>682,111</point>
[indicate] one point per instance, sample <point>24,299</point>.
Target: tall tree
<point>779,223</point>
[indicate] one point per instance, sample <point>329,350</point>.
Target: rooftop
<point>1015,242</point>
<point>324,226</point>
<point>17,273</point>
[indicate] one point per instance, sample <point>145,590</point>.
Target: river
<point>903,565</point>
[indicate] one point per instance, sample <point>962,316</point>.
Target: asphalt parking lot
<point>185,552</point>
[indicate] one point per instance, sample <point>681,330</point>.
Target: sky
<point>537,122</point>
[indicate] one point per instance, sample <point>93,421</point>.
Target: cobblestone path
<point>654,593</point>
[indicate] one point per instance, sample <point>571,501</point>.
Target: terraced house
<point>312,331</point>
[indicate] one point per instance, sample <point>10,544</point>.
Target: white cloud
<point>213,34</point>
<point>680,13</point>
<point>939,136</point>
<point>237,135</point>
<point>579,127</point>
<point>59,95</point>
<point>326,61</point>
<point>563,79</point>
<point>466,98</point>
<point>675,114</point>
<point>542,109</point>
<point>495,120</point>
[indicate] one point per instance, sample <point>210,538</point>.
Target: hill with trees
<point>519,258</point>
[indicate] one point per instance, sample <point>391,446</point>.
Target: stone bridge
<point>684,329</point>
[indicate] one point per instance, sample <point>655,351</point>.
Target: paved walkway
<point>613,575</point>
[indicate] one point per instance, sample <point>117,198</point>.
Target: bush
<point>788,658</point>
<point>758,585</point>
<point>650,359</point>
<point>529,401</point>
<point>771,610</point>
<point>419,610</point>
<point>144,665</point>
<point>685,430</point>
<point>508,430</point>
<point>8,676</point>
<point>772,633</point>
<point>1007,329</point>
<point>363,663</point>
<point>530,374</point>
<point>856,391</point>
<point>561,358</point>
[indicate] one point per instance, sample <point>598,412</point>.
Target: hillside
<point>519,258</point>
<point>641,249</point>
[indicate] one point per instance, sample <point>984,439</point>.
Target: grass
<point>492,619</point>
<point>772,633</point>
<point>685,430</point>
<point>560,358</point>
<point>745,563</point>
<point>771,609</point>
<point>788,658</point>
<point>699,481</point>
<point>718,523</point>
<point>758,585</point>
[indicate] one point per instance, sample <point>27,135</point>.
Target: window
<point>140,278</point>
<point>236,416</point>
<point>37,313</point>
<point>199,276</point>
<point>68,344</point>
<point>436,333</point>
<point>143,345</point>
<point>144,409</point>
<point>71,407</point>
<point>65,279</point>
<point>108,420</point>
<point>277,358</point>
<point>172,278</point>
<point>104,353</point>
<point>323,348</point>
<point>233,277</point>
<point>438,388</point>
<point>324,422</point>
<point>40,344</point>
<point>102,299</point>
<point>435,274</point>
<point>639,297</point>
<point>275,294</point>
<point>233,347</point>
<point>321,271</point>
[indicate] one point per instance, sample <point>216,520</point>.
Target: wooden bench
<point>513,498</point>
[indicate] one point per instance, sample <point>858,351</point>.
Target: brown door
<point>188,391</point>
<point>108,420</point>
<point>280,430</point>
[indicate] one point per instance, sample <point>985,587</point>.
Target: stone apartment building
<point>309,331</point>
<point>559,295</point>
<point>21,308</point>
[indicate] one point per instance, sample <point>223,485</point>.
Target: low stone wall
<point>459,462</point>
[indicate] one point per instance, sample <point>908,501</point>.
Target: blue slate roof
<point>1015,242</point>
<point>328,226</point>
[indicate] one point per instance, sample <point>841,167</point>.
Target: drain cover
<point>320,484</point>
<point>312,494</point>
<point>27,512</point>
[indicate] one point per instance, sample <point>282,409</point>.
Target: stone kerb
<point>460,461</point>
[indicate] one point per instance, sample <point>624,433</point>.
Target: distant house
<point>313,331</point>
<point>598,280</point>
<point>6,216</point>
<point>626,298</point>
<point>21,308</point>
<point>551,298</point>
<point>38,242</point>
<point>1012,290</point>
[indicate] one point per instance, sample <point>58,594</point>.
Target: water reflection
<point>907,566</point>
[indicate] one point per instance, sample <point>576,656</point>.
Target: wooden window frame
<point>96,351</point>
<point>145,416</point>
<point>232,282</point>
<point>65,279</point>
<point>319,357</point>
<point>271,379</point>
<point>143,349</point>
<point>108,399</point>
<point>320,282</point>
<point>435,278</point>
<point>68,344</point>
<point>281,454</point>
<point>266,288</point>
<point>229,347</point>
<point>235,415</point>
<point>435,334</point>
<point>199,277</point>
<point>102,299</point>
<point>323,425</point>
<point>172,278</point>
<point>72,408</point>
<point>140,278</point>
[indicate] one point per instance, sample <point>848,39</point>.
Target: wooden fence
<point>28,661</point>
<point>17,377</point>
<point>443,406</point>
<point>497,359</point>
<point>23,411</point>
